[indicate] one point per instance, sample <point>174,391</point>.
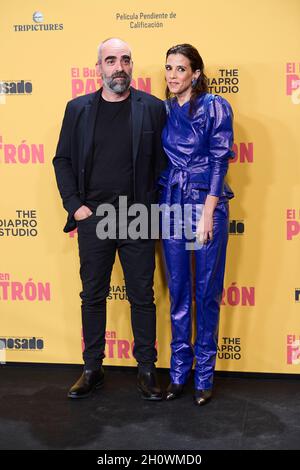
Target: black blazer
<point>76,141</point>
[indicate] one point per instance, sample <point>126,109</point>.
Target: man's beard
<point>116,86</point>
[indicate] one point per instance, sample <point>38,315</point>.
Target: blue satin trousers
<point>205,278</point>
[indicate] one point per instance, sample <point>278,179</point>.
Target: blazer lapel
<point>89,125</point>
<point>137,110</point>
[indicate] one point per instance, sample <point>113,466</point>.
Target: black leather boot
<point>148,385</point>
<point>202,397</point>
<point>174,391</point>
<point>89,381</point>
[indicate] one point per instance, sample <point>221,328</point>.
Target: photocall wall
<point>252,56</point>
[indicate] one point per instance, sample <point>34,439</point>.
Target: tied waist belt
<point>186,179</point>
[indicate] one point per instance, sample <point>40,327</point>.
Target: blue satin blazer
<point>198,148</point>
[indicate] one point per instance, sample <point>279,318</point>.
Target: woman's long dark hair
<point>196,62</point>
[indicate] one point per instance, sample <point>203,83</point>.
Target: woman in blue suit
<point>197,139</point>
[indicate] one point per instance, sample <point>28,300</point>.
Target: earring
<point>194,82</point>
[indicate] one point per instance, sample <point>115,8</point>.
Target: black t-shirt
<point>111,172</point>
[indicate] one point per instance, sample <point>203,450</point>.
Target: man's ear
<point>98,69</point>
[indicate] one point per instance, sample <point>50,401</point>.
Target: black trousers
<point>97,257</point>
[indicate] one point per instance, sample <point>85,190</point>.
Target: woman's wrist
<point>210,205</point>
<point>208,211</point>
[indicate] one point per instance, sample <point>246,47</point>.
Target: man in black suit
<point>110,146</point>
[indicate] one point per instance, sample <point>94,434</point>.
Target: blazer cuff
<point>216,187</point>
<point>72,204</point>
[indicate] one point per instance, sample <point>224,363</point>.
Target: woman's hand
<point>204,231</point>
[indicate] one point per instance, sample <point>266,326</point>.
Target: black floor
<point>245,413</point>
